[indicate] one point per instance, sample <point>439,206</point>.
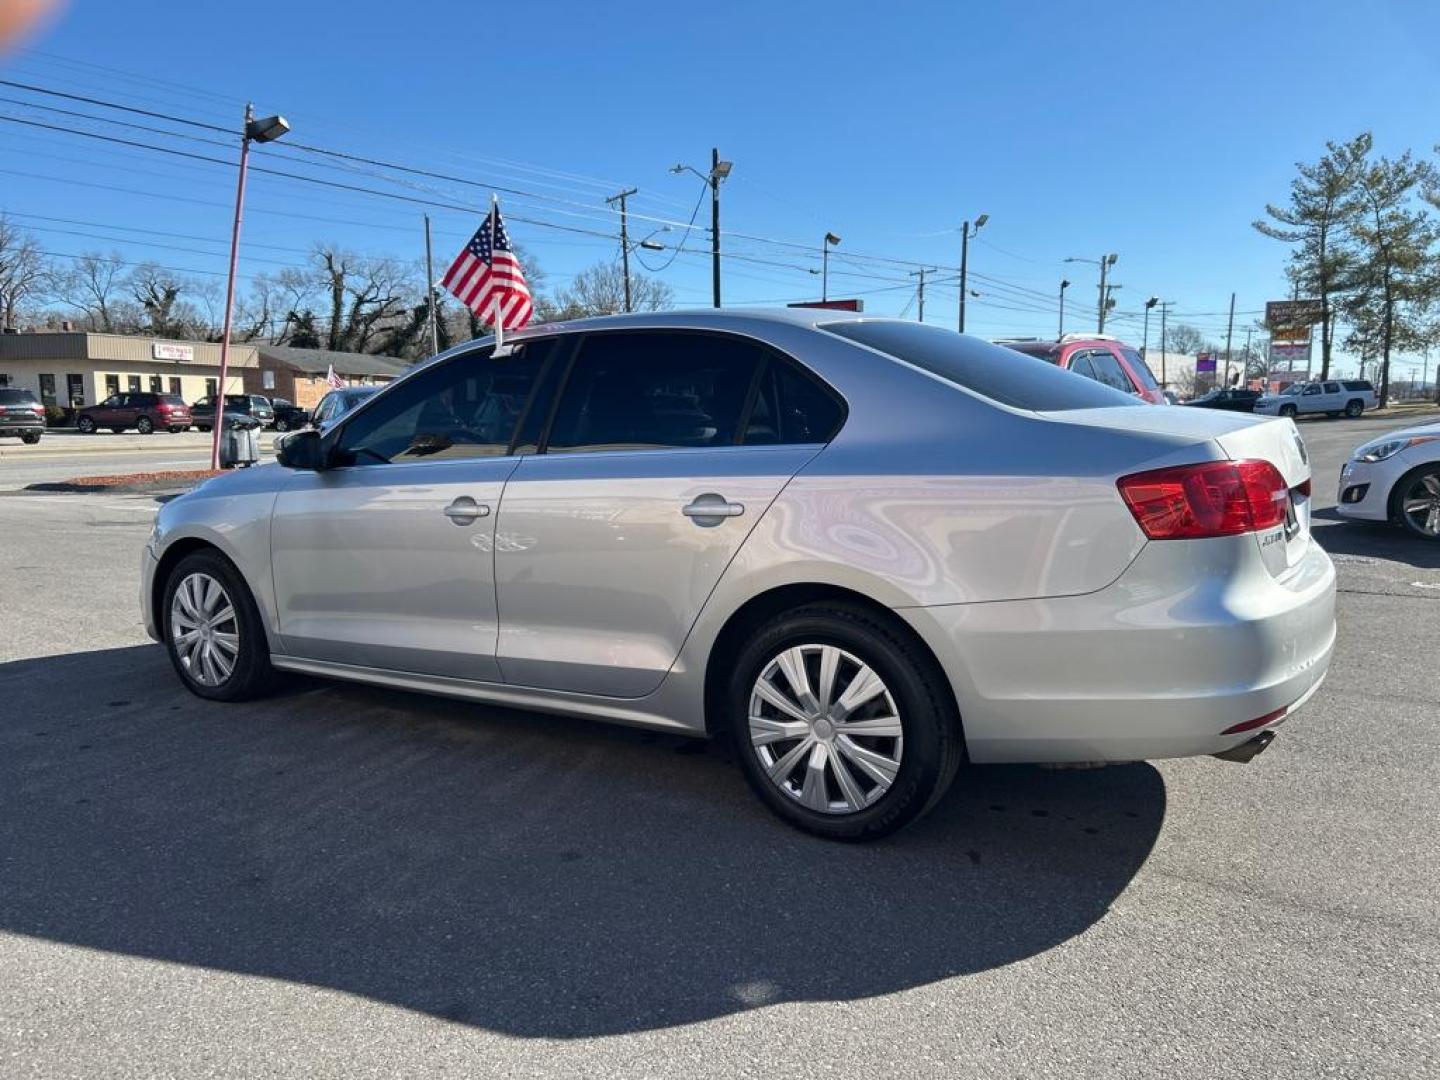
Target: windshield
<point>1292,389</point>
<point>1141,369</point>
<point>992,371</point>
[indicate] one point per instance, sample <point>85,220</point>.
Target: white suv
<point>1332,397</point>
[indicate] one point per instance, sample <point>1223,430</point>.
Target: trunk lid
<point>1238,436</point>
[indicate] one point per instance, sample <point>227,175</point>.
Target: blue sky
<point>1154,131</point>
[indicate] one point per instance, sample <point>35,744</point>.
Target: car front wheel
<point>1288,411</point>
<point>213,631</point>
<point>85,425</point>
<point>1417,502</point>
<point>843,725</point>
<point>282,425</point>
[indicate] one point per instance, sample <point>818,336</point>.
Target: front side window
<point>1080,365</point>
<point>1109,371</point>
<point>992,371</point>
<point>1311,390</point>
<point>654,391</point>
<point>466,408</point>
<point>112,402</point>
<point>1140,368</point>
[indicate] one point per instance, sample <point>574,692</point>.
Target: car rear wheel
<point>1417,502</point>
<point>212,630</point>
<point>145,426</point>
<point>843,725</point>
<point>85,425</point>
<point>1354,409</point>
<point>31,437</point>
<point>202,427</point>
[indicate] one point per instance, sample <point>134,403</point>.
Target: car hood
<point>1431,428</point>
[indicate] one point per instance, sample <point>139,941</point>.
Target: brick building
<point>298,375</point>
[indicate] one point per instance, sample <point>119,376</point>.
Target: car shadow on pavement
<point>1373,540</point>
<point>533,875</point>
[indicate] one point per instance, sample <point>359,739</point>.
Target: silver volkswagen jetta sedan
<point>863,549</point>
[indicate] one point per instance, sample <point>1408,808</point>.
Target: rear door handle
<point>711,509</point>
<point>464,510</point>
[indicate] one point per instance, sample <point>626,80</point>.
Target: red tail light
<point>1217,498</point>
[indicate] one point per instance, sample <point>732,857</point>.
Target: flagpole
<point>494,295</point>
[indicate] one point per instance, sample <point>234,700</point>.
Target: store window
<point>157,384</point>
<point>211,388</point>
<point>112,385</point>
<point>47,389</point>
<point>175,384</point>
<point>132,383</point>
<point>75,389</point>
<point>4,379</point>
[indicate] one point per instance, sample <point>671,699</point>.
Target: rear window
<point>1140,368</point>
<point>173,399</point>
<point>13,396</point>
<point>992,371</point>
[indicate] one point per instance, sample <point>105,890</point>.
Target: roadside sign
<point>1205,362</point>
<point>1290,320</point>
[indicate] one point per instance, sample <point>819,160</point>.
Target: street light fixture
<point>1104,262</point>
<point>830,239</point>
<point>264,130</point>
<point>966,231</point>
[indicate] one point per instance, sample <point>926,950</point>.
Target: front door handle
<point>710,509</point>
<point>464,510</point>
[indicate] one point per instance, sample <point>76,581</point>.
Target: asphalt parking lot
<point>344,881</point>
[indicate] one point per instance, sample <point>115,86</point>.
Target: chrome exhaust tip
<point>1248,750</point>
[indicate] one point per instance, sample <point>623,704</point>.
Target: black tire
<point>1288,411</point>
<point>1403,488</point>
<point>252,673</point>
<point>202,427</point>
<point>933,744</point>
<point>282,425</point>
<point>145,426</point>
<point>85,425</point>
<point>1354,408</point>
<point>30,437</point>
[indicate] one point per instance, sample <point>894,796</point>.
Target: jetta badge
<point>1300,445</point>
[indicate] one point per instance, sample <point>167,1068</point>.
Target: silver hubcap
<point>1422,505</point>
<point>825,729</point>
<point>203,629</point>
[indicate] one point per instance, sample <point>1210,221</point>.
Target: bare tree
<point>600,290</point>
<point>22,271</point>
<point>94,285</point>
<point>364,296</point>
<point>1183,338</point>
<point>163,297</point>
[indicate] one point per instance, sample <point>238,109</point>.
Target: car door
<point>386,559</point>
<point>660,459</point>
<point>1312,399</point>
<point>1334,399</point>
<point>107,412</point>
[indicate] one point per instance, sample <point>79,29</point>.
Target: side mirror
<point>301,450</point>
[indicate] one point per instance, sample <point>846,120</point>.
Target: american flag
<point>487,278</point>
<point>333,380</point>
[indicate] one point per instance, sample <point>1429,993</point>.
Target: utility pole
<point>1245,363</point>
<point>921,293</point>
<point>1064,284</point>
<point>625,240</point>
<point>430,291</point>
<point>715,222</point>
<point>965,233</point>
<point>1106,261</point>
<point>1229,333</point>
<point>1164,311</point>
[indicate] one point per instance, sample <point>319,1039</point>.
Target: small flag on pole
<point>487,278</point>
<point>333,380</point>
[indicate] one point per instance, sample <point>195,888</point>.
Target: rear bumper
<point>15,425</point>
<point>1195,638</point>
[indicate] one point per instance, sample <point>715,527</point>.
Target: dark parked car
<point>143,412</point>
<point>337,403</point>
<point>252,405</point>
<point>288,415</point>
<point>1232,400</point>
<point>21,415</point>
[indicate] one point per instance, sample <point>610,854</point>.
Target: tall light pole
<point>719,170</point>
<point>264,130</point>
<point>965,233</point>
<point>1064,284</point>
<point>1145,340</point>
<point>830,240</point>
<point>624,238</point>
<point>1165,306</point>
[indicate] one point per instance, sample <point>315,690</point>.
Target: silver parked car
<point>862,549</point>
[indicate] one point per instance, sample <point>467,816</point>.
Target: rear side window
<point>992,371</point>
<point>651,391</point>
<point>791,407</point>
<point>1358,384</point>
